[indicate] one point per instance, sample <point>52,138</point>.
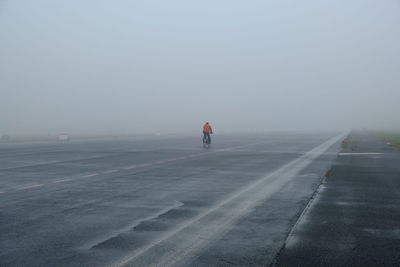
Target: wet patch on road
<point>144,230</point>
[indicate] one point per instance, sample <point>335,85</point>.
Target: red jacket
<point>207,128</point>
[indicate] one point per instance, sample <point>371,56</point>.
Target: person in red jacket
<point>207,130</point>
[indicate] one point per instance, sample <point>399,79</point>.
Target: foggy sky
<point>147,66</point>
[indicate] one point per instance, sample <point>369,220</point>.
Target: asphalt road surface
<point>157,201</point>
<point>354,220</point>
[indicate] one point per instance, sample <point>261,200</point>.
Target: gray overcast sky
<point>144,66</point>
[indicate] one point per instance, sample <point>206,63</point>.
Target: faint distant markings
<point>30,186</point>
<point>142,165</point>
<point>62,181</point>
<point>359,154</point>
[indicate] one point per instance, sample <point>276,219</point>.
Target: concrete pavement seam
<point>299,218</point>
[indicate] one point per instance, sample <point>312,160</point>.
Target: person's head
<point>206,122</point>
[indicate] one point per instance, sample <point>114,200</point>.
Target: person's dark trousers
<point>207,135</point>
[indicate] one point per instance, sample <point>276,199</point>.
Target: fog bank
<point>108,67</point>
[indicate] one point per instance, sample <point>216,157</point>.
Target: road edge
<point>301,215</point>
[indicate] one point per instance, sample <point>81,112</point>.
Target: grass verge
<point>392,138</point>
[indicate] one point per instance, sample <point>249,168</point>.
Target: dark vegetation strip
<point>392,138</point>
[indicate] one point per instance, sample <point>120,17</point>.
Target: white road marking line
<point>1,192</point>
<point>110,171</point>
<point>155,163</point>
<point>89,175</point>
<point>356,154</point>
<point>183,157</point>
<point>30,186</point>
<point>239,204</point>
<point>62,180</point>
<point>130,167</point>
<point>144,165</point>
